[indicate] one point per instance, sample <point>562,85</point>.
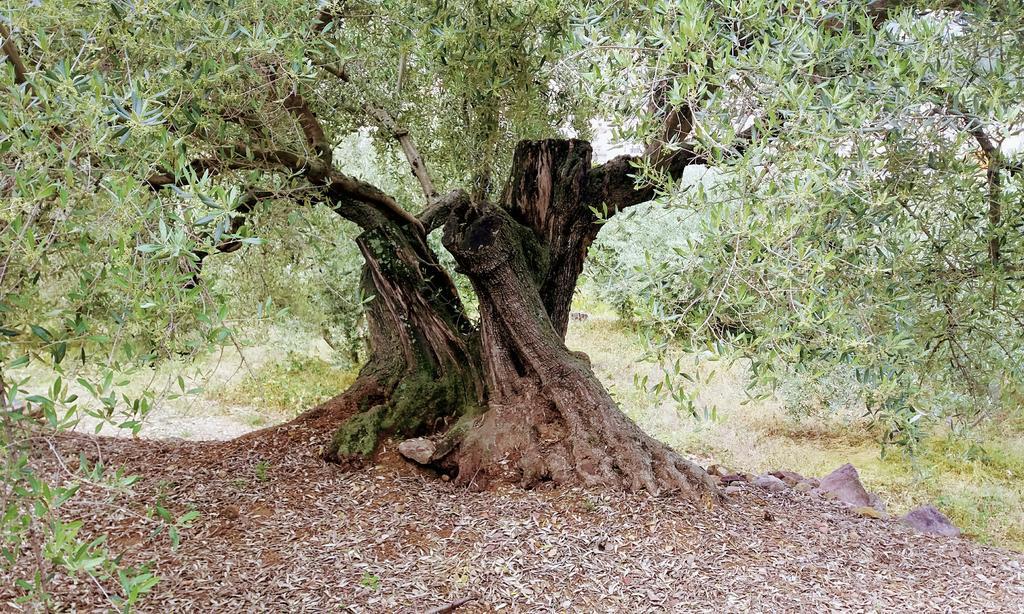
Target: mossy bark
<point>423,353</point>
<point>418,405</point>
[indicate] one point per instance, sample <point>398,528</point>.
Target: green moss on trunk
<point>418,406</point>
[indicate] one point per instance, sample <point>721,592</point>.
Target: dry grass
<point>980,487</point>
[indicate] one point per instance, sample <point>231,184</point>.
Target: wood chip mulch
<point>285,532</point>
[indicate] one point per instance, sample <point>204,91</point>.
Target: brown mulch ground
<point>305,536</point>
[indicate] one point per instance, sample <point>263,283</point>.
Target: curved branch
<point>435,215</point>
<point>310,124</point>
<point>10,49</point>
<point>387,122</point>
<point>339,186</point>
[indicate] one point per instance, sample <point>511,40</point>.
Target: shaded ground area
<point>286,532</point>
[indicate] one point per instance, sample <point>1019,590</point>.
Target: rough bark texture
<point>546,193</point>
<point>422,364</point>
<point>508,401</point>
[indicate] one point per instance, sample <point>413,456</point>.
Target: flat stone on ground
<point>770,483</point>
<point>420,450</point>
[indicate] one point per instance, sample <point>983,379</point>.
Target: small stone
<point>444,477</point>
<point>737,477</point>
<point>770,483</point>
<point>804,486</point>
<point>419,449</point>
<point>866,511</point>
<point>930,521</point>
<point>718,470</point>
<point>791,478</point>
<point>733,490</point>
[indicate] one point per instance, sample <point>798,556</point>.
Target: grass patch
<point>289,386</point>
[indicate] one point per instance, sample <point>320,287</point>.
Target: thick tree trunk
<point>508,402</point>
<point>547,192</point>
<point>548,417</point>
<point>422,374</point>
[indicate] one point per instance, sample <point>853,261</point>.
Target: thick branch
<point>340,187</point>
<point>437,212</point>
<point>615,185</point>
<point>675,127</point>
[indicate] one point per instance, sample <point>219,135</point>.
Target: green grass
<point>290,386</point>
<point>978,481</point>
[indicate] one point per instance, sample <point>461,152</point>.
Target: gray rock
<point>791,478</point>
<point>844,484</point>
<point>733,490</point>
<point>927,519</point>
<point>771,483</point>
<point>419,449</point>
<point>804,486</point>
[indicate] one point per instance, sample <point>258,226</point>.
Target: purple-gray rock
<point>844,484</point>
<point>926,519</point>
<point>770,482</point>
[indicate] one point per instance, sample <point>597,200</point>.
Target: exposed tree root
<point>573,442</point>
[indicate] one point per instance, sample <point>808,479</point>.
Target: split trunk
<point>503,399</point>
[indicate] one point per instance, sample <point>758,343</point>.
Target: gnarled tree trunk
<point>508,401</point>
<point>422,373</point>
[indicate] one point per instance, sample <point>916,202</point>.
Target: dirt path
<point>282,532</point>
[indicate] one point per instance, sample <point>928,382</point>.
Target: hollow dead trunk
<point>508,401</point>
